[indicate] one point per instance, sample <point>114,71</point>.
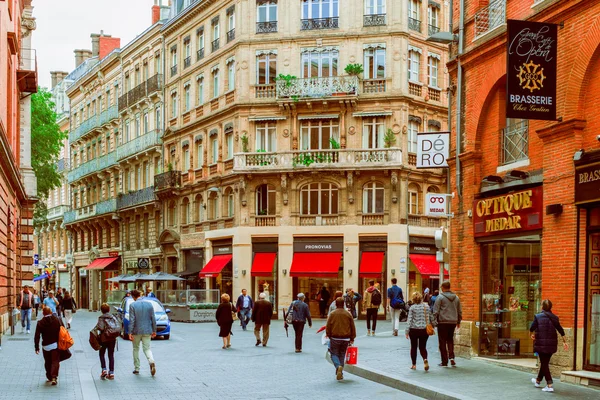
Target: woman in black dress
<point>225,319</point>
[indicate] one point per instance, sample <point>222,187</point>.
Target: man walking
<point>142,328</point>
<point>244,307</point>
<point>261,316</point>
<point>371,302</point>
<point>25,305</point>
<point>448,313</point>
<point>341,332</point>
<point>48,328</point>
<point>300,314</point>
<point>395,304</point>
<point>51,302</point>
<point>59,308</point>
<point>149,292</point>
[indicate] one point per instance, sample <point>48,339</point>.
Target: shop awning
<point>215,265</point>
<point>263,264</point>
<point>320,265</point>
<point>427,265</point>
<point>102,263</point>
<point>371,264</point>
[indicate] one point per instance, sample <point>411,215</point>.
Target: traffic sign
<point>36,259</point>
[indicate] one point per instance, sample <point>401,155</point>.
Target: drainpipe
<point>461,27</point>
<point>575,321</point>
<point>407,236</point>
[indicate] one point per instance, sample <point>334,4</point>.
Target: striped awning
<point>267,118</point>
<point>318,116</point>
<point>363,114</point>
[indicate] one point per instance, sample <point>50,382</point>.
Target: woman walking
<point>36,302</point>
<point>224,317</point>
<point>416,330</point>
<point>68,306</point>
<point>544,327</point>
<point>107,328</point>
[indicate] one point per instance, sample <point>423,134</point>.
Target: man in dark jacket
<point>448,314</point>
<point>341,332</point>
<point>261,316</point>
<point>48,328</point>
<point>300,314</point>
<point>323,296</point>
<point>244,306</point>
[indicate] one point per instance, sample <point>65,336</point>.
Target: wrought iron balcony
<point>490,17</point>
<point>414,24</point>
<point>187,61</point>
<point>27,73</point>
<point>94,122</point>
<point>167,180</point>
<point>91,210</point>
<point>317,87</point>
<point>200,54</point>
<point>215,45</point>
<point>140,144</point>
<point>319,23</point>
<point>105,207</point>
<point>230,35</point>
<point>174,70</point>
<point>432,29</point>
<point>57,212</point>
<point>266,27</point>
<point>374,20</point>
<point>132,199</point>
<point>92,166</point>
<point>62,165</point>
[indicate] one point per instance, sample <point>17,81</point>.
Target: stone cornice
<point>561,130</point>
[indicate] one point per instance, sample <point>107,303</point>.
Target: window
<point>319,199</point>
<point>172,215</point>
<point>414,7</point>
<point>213,205</point>
<point>229,141</point>
<point>317,9</point>
<point>433,16</point>
<point>319,63</point>
<point>515,141</point>
<point>266,137</point>
<point>414,59</point>
<point>266,69</point>
<point>127,132</point>
<point>374,7</point>
<point>216,33</point>
<point>146,122</point>
<point>200,42</point>
<point>374,64</point>
<point>432,70</point>
<point>231,76</point>
<point>265,200</point>
<point>373,133</point>
<point>231,24</point>
<point>230,202</point>
<point>187,52</point>
<point>187,103</point>
<point>158,118</point>
<point>413,128</point>
<point>185,211</point>
<point>157,63</point>
<point>200,89</point>
<point>138,75</point>
<point>186,159</point>
<point>318,134</point>
<point>174,56</point>
<point>199,155</point>
<point>215,77</point>
<point>373,195</point>
<point>174,105</point>
<point>198,208</point>
<point>138,125</point>
<point>267,11</point>
<point>414,206</point>
<point>145,70</point>
<point>214,147</point>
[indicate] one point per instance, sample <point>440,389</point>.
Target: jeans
<point>245,314</point>
<point>51,363</point>
<point>418,338</point>
<point>265,330</point>
<point>110,346</point>
<point>395,316</point>
<point>372,316</point>
<point>299,331</point>
<point>545,368</point>
<point>446,341</point>
<point>338,348</point>
<point>145,339</point>
<point>26,316</point>
<point>322,307</point>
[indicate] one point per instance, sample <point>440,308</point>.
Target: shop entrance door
<point>592,320</point>
<point>312,288</point>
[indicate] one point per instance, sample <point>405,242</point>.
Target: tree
<point>47,141</point>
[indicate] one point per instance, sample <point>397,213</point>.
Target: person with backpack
<point>447,311</point>
<point>49,329</point>
<point>298,314</point>
<point>351,298</point>
<point>395,304</point>
<point>371,302</point>
<point>108,329</point>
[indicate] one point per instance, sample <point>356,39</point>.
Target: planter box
<point>185,314</point>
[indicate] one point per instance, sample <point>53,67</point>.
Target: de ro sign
<point>433,149</point>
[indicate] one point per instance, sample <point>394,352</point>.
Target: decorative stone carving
<point>284,189</point>
<point>286,133</point>
<point>351,130</point>
<point>394,181</point>
<point>350,183</point>
<point>28,23</point>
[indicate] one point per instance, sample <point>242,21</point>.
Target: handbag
<point>94,342</point>
<point>64,355</point>
<point>234,315</point>
<point>428,327</point>
<point>352,355</point>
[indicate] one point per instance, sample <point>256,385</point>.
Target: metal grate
<point>515,144</point>
<point>490,17</point>
<point>17,339</point>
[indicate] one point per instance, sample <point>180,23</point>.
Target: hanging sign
<point>436,204</point>
<point>433,149</point>
<point>531,70</point>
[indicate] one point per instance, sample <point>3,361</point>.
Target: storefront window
<point>592,359</point>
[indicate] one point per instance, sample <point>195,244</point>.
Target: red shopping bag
<point>352,355</point>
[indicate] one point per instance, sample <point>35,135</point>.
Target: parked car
<point>163,324</point>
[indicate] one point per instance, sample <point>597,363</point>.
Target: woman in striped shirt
<point>418,317</point>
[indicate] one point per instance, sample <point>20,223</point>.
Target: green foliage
<point>245,147</point>
<point>286,78</point>
<point>170,167</point>
<point>335,145</point>
<point>389,139</point>
<point>207,306</point>
<point>354,69</point>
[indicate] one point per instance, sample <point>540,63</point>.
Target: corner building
<point>544,244</point>
<point>282,172</point>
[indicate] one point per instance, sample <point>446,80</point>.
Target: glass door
<point>592,326</point>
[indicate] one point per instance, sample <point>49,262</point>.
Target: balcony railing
<point>266,27</point>
<point>264,91</point>
<point>317,159</point>
<point>215,45</point>
<point>92,166</point>
<point>373,219</point>
<point>200,54</point>
<point>373,85</point>
<point>374,20</point>
<point>265,220</point>
<point>415,89</point>
<point>105,207</point>
<point>174,70</point>
<point>490,17</point>
<point>432,29</point>
<point>167,180</point>
<point>230,35</point>
<point>94,122</point>
<point>515,142</point>
<point>57,212</point>
<point>434,94</point>
<point>317,87</point>
<point>136,198</point>
<point>187,61</point>
<point>319,23</point>
<point>425,221</point>
<point>318,220</point>
<point>139,144</point>
<point>414,24</point>
<point>91,210</point>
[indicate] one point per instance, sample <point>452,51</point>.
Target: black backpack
<point>376,298</point>
<point>112,329</point>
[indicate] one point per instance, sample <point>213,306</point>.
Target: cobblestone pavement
<point>189,365</point>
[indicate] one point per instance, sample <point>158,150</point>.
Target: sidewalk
<point>386,359</point>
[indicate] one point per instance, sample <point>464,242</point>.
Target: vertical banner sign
<point>531,70</point>
<point>433,149</point>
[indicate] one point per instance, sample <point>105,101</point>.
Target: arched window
<point>172,214</point>
<point>319,199</point>
<point>229,203</point>
<point>185,211</point>
<point>433,189</point>
<point>213,205</point>
<point>373,195</point>
<point>265,200</point>
<point>198,208</point>
<point>414,203</point>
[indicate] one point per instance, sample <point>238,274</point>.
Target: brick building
<point>504,269</point>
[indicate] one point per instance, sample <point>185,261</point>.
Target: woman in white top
<point>418,317</point>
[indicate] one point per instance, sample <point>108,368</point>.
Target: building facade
<point>546,168</point>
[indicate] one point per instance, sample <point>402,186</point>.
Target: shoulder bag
<point>428,327</point>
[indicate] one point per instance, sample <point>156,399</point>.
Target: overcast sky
<point>66,25</point>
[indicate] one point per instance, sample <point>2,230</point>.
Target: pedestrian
<point>36,302</point>
<point>436,293</point>
<point>26,306</point>
<point>332,306</point>
<point>69,307</point>
<point>51,302</point>
<point>323,298</point>
<point>447,312</point>
<point>244,306</point>
<point>127,294</point>
<point>426,295</point>
<point>352,298</point>
<point>48,328</point>
<point>261,316</point>
<point>371,302</point>
<point>543,328</point>
<point>341,332</point>
<point>224,318</point>
<point>395,304</point>
<point>142,328</point>
<point>300,315</point>
<point>106,327</point>
<point>59,297</point>
<point>149,292</point>
<point>416,329</point>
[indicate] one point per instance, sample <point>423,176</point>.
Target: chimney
<point>106,44</point>
<point>53,78</point>
<point>57,77</point>
<point>96,42</point>
<point>81,56</point>
<point>155,13</point>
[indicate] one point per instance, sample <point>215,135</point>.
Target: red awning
<point>371,264</point>
<point>215,266</point>
<point>427,265</point>
<point>263,264</point>
<point>324,265</point>
<point>102,263</point>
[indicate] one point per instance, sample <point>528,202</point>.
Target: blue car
<point>163,324</point>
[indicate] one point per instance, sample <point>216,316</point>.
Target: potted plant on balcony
<point>287,83</point>
<point>354,69</point>
<point>245,148</point>
<point>389,139</point>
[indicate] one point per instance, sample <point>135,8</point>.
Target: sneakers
<point>298,351</point>
<point>55,382</point>
<point>339,373</point>
<point>136,371</point>
<point>28,331</point>
<point>548,389</point>
<point>426,364</point>
<point>111,377</point>
<point>535,383</point>
<point>257,343</point>
<point>103,375</point>
<point>395,332</point>
<point>153,369</point>
<point>442,365</point>
<point>372,333</point>
<point>452,362</point>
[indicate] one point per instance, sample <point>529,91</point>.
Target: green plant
<point>389,139</point>
<point>170,167</point>
<point>286,78</point>
<point>354,69</point>
<point>262,212</point>
<point>303,159</point>
<point>335,145</point>
<point>295,98</point>
<point>245,147</point>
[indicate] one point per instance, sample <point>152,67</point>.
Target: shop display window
<point>267,286</point>
<point>364,284</point>
<point>592,331</point>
